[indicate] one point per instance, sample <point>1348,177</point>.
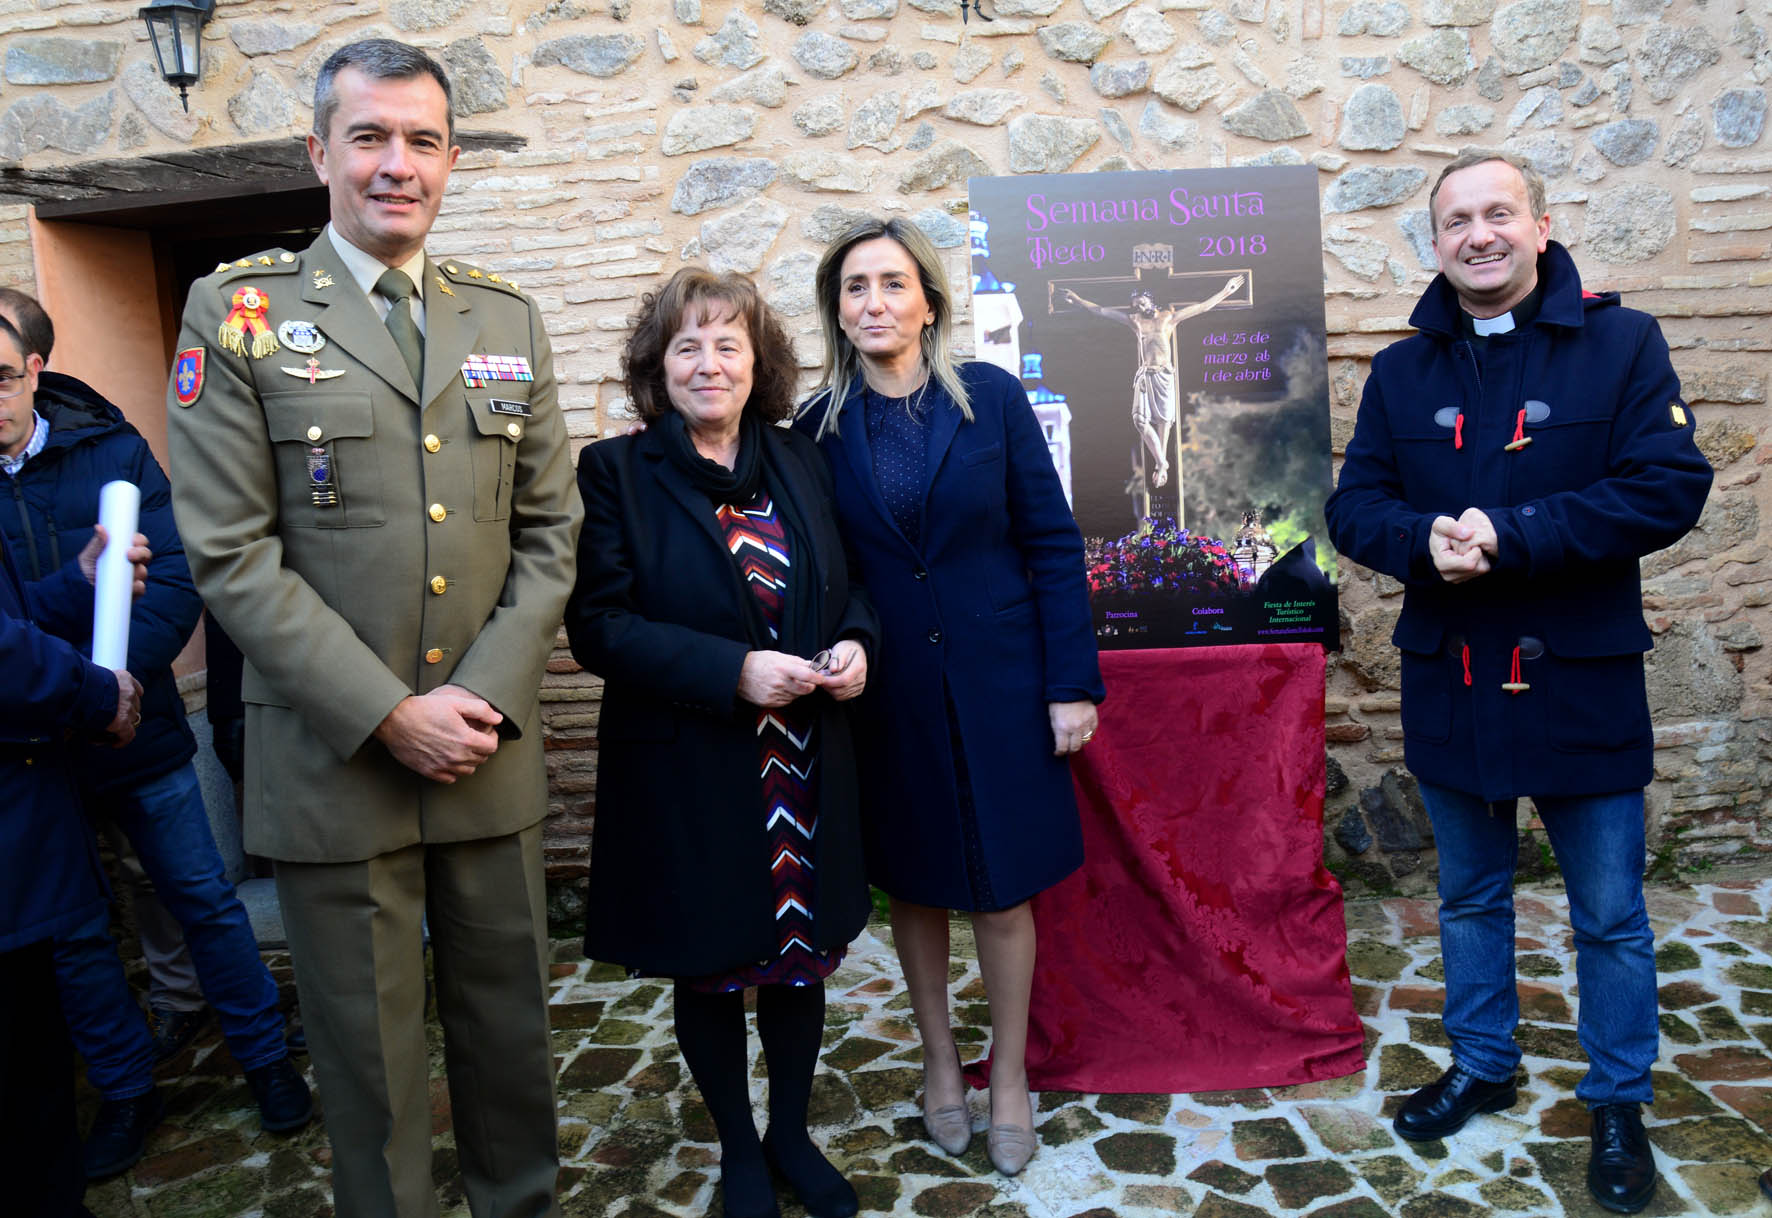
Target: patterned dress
<point>786,756</point>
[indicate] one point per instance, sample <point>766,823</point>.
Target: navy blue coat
<point>680,880</point>
<point>46,516</point>
<point>1612,473</point>
<point>988,615</point>
<point>49,871</point>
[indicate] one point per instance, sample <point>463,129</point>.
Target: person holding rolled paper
<point>52,701</point>
<point>60,444</point>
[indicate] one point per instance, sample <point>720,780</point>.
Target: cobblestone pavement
<point>637,1142</point>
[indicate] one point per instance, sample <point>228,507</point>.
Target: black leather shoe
<point>119,1134</point>
<point>284,1102</point>
<point>1442,1107</point>
<point>173,1030</point>
<point>1621,1167</point>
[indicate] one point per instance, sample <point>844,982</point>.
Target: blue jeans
<point>165,822</point>
<point>1598,840</point>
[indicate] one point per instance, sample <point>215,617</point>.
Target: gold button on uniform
<point>438,584</point>
<point>434,656</point>
<point>514,430</point>
<point>438,511</point>
<point>432,444</point>
<point>314,432</point>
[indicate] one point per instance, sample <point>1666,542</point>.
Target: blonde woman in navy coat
<point>987,678</point>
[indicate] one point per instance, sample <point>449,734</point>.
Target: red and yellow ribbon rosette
<point>248,317</point>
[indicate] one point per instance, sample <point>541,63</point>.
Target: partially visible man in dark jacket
<point>49,874</point>
<point>60,442</point>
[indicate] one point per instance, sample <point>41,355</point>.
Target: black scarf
<point>760,465</point>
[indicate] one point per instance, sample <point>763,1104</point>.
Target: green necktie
<point>394,285</point>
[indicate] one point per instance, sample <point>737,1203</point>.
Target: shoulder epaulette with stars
<point>270,262</point>
<point>461,272</point>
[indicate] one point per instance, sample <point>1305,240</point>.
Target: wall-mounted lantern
<point>175,27</point>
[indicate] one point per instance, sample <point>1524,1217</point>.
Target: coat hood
<point>76,412</point>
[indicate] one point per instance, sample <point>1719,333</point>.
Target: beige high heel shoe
<point>950,1126</point>
<point>1010,1146</point>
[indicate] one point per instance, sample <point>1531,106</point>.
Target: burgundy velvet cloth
<point>1202,945</point>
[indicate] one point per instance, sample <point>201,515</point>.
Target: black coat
<point>680,881</point>
<point>47,516</point>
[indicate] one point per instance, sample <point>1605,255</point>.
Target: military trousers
<point>356,935</point>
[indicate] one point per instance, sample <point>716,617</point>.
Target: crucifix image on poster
<point>1195,451</point>
<point>1155,407</point>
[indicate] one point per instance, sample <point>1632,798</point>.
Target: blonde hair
<point>842,362</point>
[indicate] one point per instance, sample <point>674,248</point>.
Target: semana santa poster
<point>1168,327</point>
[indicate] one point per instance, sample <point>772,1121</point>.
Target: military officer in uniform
<point>371,475</point>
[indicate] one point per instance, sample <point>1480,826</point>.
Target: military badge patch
<point>244,328</point>
<point>187,375</point>
<point>303,337</point>
<point>1678,412</point>
<point>482,370</point>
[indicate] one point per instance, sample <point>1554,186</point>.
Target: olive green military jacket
<point>362,540</point>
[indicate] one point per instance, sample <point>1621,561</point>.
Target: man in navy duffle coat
<point>1511,463</point>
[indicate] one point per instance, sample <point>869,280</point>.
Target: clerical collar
<point>1520,315</point>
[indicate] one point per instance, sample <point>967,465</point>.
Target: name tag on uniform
<point>506,406</point>
<point>478,371</point>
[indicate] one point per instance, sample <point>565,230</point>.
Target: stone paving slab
<point>637,1143</point>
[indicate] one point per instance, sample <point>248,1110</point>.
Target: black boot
<point>119,1134</point>
<point>790,1021</point>
<point>711,1033</point>
<point>1442,1107</point>
<point>284,1102</point>
<point>1621,1167</point>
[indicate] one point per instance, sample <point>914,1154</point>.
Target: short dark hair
<point>379,59</point>
<point>700,293</point>
<point>1482,156</point>
<point>31,325</point>
<point>11,331</point>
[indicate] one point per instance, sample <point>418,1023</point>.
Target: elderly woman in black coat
<point>714,598</point>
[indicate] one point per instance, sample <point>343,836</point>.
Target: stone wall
<point>746,132</point>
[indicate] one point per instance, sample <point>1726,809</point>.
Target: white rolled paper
<point>119,505</point>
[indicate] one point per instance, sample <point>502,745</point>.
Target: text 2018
<point>1233,245</point>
